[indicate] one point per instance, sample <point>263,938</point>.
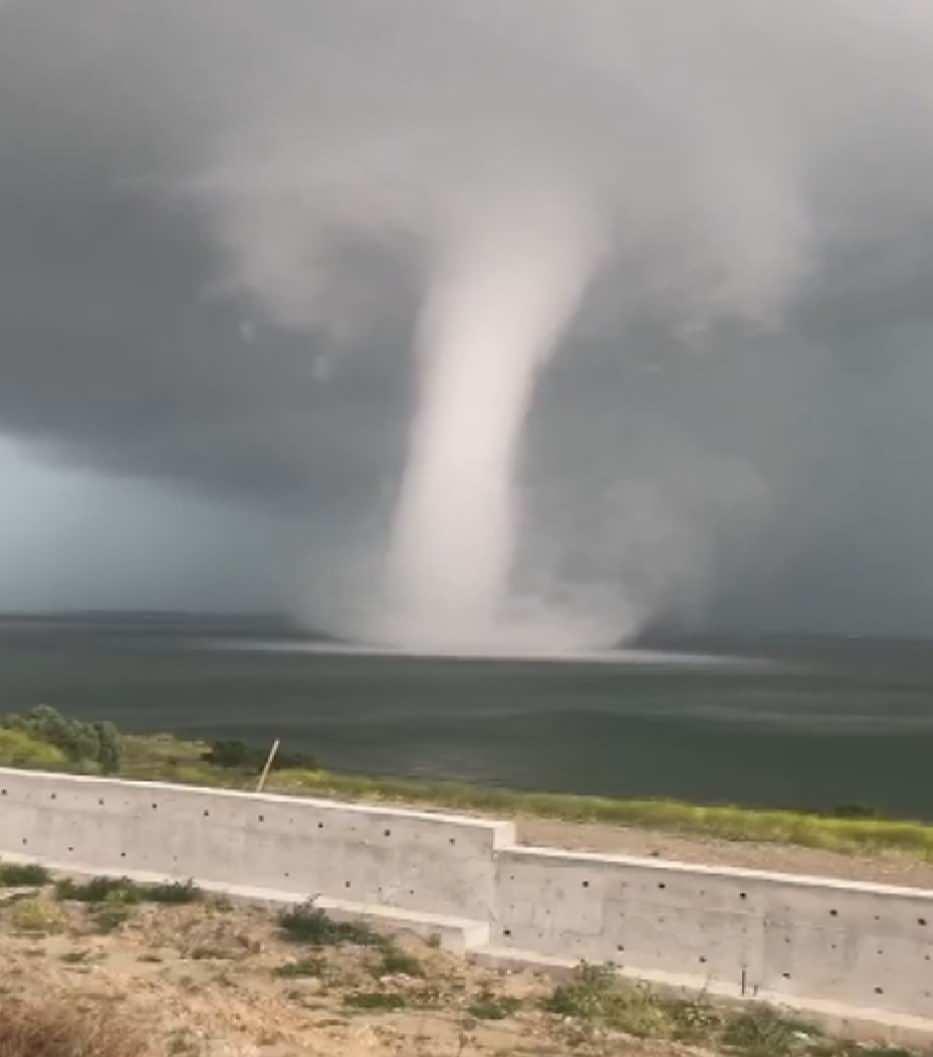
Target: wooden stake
<point>268,766</point>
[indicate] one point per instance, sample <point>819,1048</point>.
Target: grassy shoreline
<point>170,759</point>
<point>164,757</point>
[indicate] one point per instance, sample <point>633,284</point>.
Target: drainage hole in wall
<point>122,854</point>
<point>703,959</point>
<point>25,841</point>
<point>506,932</point>
<point>834,913</point>
<point>787,939</point>
<point>320,825</point>
<point>387,833</point>
<point>743,895</point>
<point>100,803</point>
<point>288,875</point>
<point>879,952</point>
<point>619,947</point>
<point>661,884</point>
<point>346,884</point>
<point>453,841</point>
<point>921,921</point>
<point>262,818</point>
<point>586,884</point>
<point>206,813</point>
<point>71,849</point>
<point>411,891</point>
<point>879,990</point>
<point>155,807</point>
<point>3,792</point>
<point>54,796</point>
<point>786,976</point>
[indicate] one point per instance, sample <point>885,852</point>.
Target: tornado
<point>504,289</point>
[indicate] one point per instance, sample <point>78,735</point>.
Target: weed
<point>12,875</point>
<point>109,916</point>
<point>763,1032</point>
<point>382,1000</point>
<point>302,967</point>
<point>487,1006</point>
<point>37,916</point>
<point>97,890</point>
<point>123,890</point>
<point>75,957</point>
<point>176,892</point>
<point>53,1029</point>
<point>307,923</point>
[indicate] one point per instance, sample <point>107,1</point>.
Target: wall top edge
<point>557,857</point>
<point>501,830</point>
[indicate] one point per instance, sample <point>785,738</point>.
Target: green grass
<point>14,875</point>
<point>19,749</point>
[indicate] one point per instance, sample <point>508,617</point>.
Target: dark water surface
<point>796,722</point>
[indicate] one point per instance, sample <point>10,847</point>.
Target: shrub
<point>13,875</point>
<point>307,923</point>
<point>175,892</point>
<point>237,754</point>
<point>98,890</point>
<point>54,1029</point>
<point>94,743</point>
<point>394,960</point>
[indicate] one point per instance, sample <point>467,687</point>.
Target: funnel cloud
<point>477,327</point>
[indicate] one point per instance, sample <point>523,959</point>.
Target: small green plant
<point>75,957</point>
<point>302,967</point>
<point>487,1006</point>
<point>14,875</point>
<point>379,1000</point>
<point>307,923</point>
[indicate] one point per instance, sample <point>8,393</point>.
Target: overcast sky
<point>218,219</point>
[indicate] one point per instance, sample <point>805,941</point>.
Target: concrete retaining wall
<point>737,932</point>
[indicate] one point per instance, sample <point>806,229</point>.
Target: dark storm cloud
<point>216,220</point>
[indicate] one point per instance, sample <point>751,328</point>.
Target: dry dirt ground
<point>203,980</point>
<point>887,867</point>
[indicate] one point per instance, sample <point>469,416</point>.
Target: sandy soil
<point>200,981</point>
<point>883,867</point>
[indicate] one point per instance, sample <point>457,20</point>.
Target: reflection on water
<point>797,722</point>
